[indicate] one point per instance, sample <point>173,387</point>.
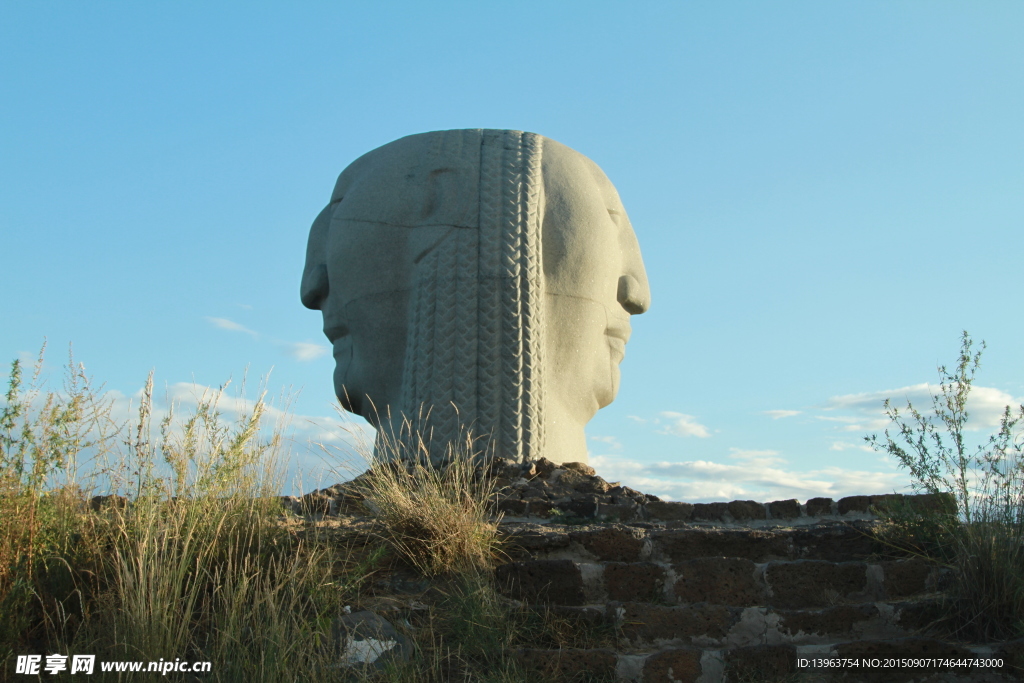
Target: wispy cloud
<point>865,412</point>
<point>756,457</point>
<point>777,414</point>
<point>231,325</point>
<point>305,351</point>
<point>763,478</point>
<point>845,446</point>
<point>610,440</point>
<point>680,424</point>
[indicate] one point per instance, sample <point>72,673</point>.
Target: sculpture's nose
<point>633,296</point>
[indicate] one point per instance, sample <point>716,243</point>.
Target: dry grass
<point>435,517</point>
<point>197,560</point>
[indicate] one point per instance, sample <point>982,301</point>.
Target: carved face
<point>390,209</point>
<point>594,280</point>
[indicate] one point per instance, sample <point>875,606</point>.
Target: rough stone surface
<point>854,504</point>
<point>746,509</point>
<point>634,581</point>
<point>710,512</point>
<point>647,623</point>
<point>836,542</point>
<point>903,578</point>
<point>760,662</point>
<point>784,509</point>
<point>843,620</point>
<point>677,665</point>
<point>819,506</point>
<point>568,664</point>
<point>756,545</point>
<point>670,511</point>
<point>426,264</point>
<point>721,580</point>
<point>814,583</point>
<point>558,581</point>
<point>616,543</point>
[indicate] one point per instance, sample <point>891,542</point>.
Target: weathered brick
<point>836,542</point>
<point>719,580</point>
<point>540,507</point>
<point>710,512</point>
<point>669,511</point>
<point>887,502</point>
<point>760,662</point>
<point>903,578</point>
<point>636,581</point>
<point>746,509</point>
<point>819,506</point>
<point>532,539</point>
<point>784,509</point>
<point>834,621</point>
<point>568,664</point>
<point>557,581</point>
<point>512,506</point>
<point>678,665</point>
<point>759,545</point>
<point>854,504</point>
<point>814,583</point>
<point>646,623</point>
<point>944,502</point>
<point>618,512</point>
<point>585,506</point>
<point>612,543</point>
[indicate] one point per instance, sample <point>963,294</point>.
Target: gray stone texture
<point>476,279</point>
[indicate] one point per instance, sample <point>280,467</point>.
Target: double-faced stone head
<point>480,280</point>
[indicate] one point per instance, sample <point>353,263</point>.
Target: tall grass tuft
<point>435,516</point>
<point>981,537</point>
<point>192,562</point>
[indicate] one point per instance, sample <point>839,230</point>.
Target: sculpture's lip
<point>619,330</point>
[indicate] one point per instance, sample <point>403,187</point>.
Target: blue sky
<point>825,195</point>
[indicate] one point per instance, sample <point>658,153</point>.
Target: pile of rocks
<point>572,492</point>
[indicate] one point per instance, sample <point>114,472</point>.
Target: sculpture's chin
<point>609,388</point>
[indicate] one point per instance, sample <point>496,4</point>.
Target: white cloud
<point>755,457</point>
<point>844,446</point>
<point>765,480</point>
<point>683,425</point>
<point>776,414</point>
<point>637,418</point>
<point>305,351</point>
<point>225,324</point>
<point>985,406</point>
<point>610,440</point>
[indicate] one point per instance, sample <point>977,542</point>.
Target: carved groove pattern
<point>473,354</point>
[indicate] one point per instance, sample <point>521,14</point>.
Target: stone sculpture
<point>481,280</point>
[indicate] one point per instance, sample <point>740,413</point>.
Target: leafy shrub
<point>983,541</point>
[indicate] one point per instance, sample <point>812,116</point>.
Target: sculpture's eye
<point>336,201</point>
